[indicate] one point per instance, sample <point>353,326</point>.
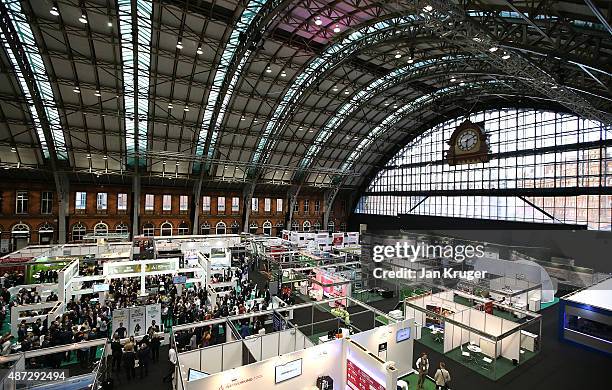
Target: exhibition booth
<point>475,331</point>
<point>359,355</point>
<point>586,317</point>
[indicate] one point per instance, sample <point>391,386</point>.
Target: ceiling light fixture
<point>76,90</point>
<point>428,8</point>
<point>14,150</point>
<point>54,11</point>
<point>186,109</point>
<point>318,21</point>
<point>462,83</point>
<point>89,156</point>
<point>97,93</point>
<point>387,103</point>
<point>200,51</point>
<point>493,49</point>
<point>283,74</point>
<point>335,88</point>
<point>395,106</point>
<point>346,92</point>
<point>179,45</point>
<point>410,61</point>
<point>109,24</point>
<point>242,117</point>
<point>105,158</point>
<point>453,80</point>
<point>163,163</point>
<point>398,54</point>
<point>83,19</point>
<point>268,69</point>
<point>506,56</point>
<point>170,106</point>
<point>337,29</point>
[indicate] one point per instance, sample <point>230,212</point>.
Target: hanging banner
<point>286,235</point>
<point>121,318</point>
<point>153,314</point>
<point>322,238</point>
<point>137,321</point>
<point>338,239</point>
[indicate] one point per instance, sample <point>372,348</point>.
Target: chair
<point>487,362</point>
<point>467,357</point>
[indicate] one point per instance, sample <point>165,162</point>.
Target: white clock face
<point>467,140</point>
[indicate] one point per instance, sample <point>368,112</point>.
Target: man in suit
<point>422,365</point>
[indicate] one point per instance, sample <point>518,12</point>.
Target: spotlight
<point>242,117</point>
<point>97,93</point>
<point>83,19</point>
<point>268,69</point>
<point>335,89</point>
<point>76,90</point>
<point>200,51</point>
<point>453,80</point>
<point>105,158</point>
<point>170,106</point>
<point>318,21</point>
<point>337,29</point>
<point>506,56</point>
<point>346,91</point>
<point>179,45</point>
<point>54,11</point>
<point>398,54</point>
<point>283,74</point>
<point>14,150</point>
<point>493,49</point>
<point>186,109</point>
<point>428,8</point>
<point>410,61</point>
<point>89,156</point>
<point>109,24</point>
<point>462,84</point>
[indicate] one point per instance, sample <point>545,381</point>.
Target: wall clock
<point>468,144</point>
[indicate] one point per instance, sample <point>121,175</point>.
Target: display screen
<point>193,374</point>
<point>288,371</point>
<point>100,287</point>
<point>402,334</point>
<point>179,279</point>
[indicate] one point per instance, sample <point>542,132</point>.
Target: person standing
<point>144,355</point>
<point>155,341</point>
<point>442,377</point>
<point>116,353</point>
<point>129,361</point>
<point>422,365</point>
<point>172,358</point>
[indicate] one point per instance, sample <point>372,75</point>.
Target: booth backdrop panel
<point>187,360</point>
<point>269,346</point>
<point>477,321</point>
<point>316,361</point>
<point>289,341</point>
<point>488,347</point>
<point>137,321</point>
<point>493,325</point>
<point>211,359</point>
<point>232,355</point>
<point>153,313</point>
<point>254,346</point>
<point>511,345</point>
<point>120,316</point>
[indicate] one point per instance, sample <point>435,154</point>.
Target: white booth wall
<point>401,353</point>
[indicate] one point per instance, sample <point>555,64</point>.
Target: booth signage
<point>161,267</point>
<point>137,321</point>
<point>358,379</point>
<point>153,313</point>
<point>338,239</point>
<point>179,279</point>
<point>123,269</point>
<point>382,347</point>
<point>120,316</point>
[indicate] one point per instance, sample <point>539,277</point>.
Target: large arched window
<point>533,154</point>
<point>267,228</point>
<point>205,229</point>
<point>101,228</point>
<point>183,229</point>
<point>253,228</point>
<point>45,233</point>
<point>221,227</point>
<point>306,226</point>
<point>235,227</point>
<point>317,226</point>
<point>78,232</point>
<point>165,229</point>
<point>295,226</point>
<point>121,228</point>
<point>148,229</point>
<point>331,227</point>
